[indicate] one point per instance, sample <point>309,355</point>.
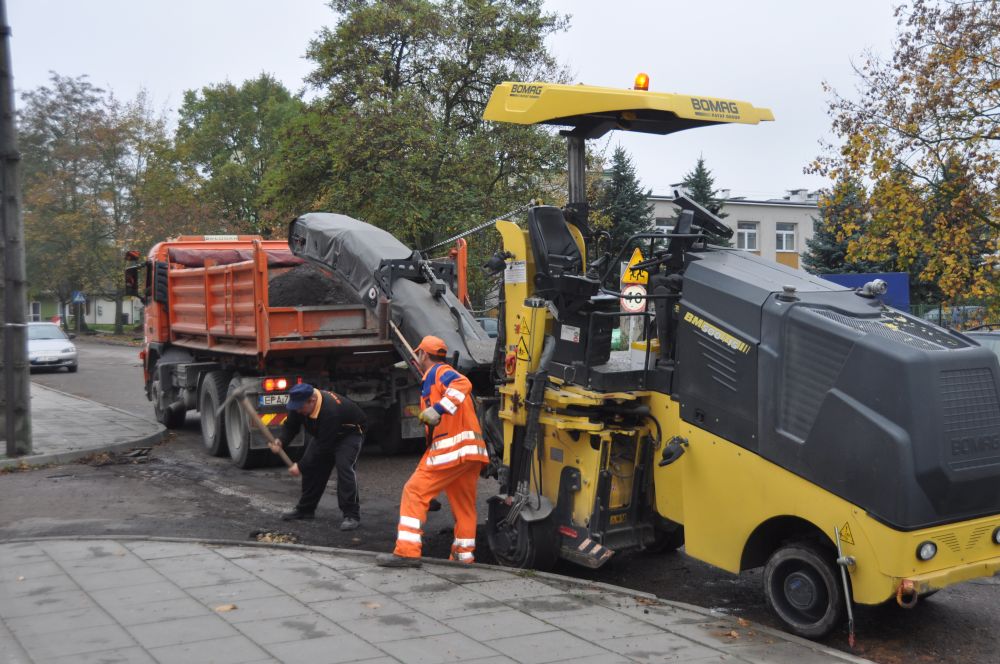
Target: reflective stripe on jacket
<point>457,438</point>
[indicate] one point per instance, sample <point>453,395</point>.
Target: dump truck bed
<point>219,301</point>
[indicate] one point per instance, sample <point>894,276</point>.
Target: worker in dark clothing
<point>336,428</point>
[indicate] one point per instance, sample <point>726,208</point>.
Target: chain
<point>476,229</point>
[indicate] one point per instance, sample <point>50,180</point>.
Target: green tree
<point>397,138</point>
<point>86,157</point>
<point>844,206</point>
<point>923,133</point>
<point>700,186</point>
<point>624,203</point>
<point>56,127</point>
<point>231,135</point>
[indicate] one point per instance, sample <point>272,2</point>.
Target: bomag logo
<point>715,108</point>
<point>713,332</point>
<point>975,445</point>
<point>523,90</point>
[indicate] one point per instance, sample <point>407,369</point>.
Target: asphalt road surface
<point>181,491</point>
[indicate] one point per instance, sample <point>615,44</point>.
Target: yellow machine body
<point>726,497</point>
<point>594,462</point>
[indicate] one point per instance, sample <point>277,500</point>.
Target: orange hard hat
<point>433,346</point>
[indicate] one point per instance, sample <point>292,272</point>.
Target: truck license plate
<point>273,399</point>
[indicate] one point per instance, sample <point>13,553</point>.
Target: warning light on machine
<point>641,82</point>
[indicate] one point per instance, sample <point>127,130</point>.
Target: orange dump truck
<point>228,312</point>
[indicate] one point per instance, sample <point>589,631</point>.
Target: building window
<point>784,240</point>
<point>36,312</point>
<point>746,235</point>
<point>665,223</point>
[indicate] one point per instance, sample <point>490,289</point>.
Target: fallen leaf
<point>225,608</point>
<point>743,622</point>
<point>371,605</point>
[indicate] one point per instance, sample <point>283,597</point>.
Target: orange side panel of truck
<point>223,308</point>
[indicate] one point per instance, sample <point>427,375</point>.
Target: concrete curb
<point>30,461</point>
<point>35,461</point>
<point>556,578</point>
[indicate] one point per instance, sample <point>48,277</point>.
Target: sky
<point>771,53</point>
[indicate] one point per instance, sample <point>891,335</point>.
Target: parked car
<point>987,336</point>
<point>50,348</point>
<point>490,325</point>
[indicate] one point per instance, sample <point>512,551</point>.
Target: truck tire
<point>239,435</point>
<point>213,423</point>
<point>803,588</point>
<point>168,417</point>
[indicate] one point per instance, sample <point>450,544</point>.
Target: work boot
<point>392,560</point>
<point>296,514</point>
<point>350,523</point>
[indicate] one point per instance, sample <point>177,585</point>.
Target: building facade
<point>96,311</point>
<point>776,228</point>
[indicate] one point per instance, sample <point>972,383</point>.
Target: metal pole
<point>577,169</point>
<point>17,408</point>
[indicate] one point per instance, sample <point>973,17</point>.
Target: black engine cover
<point>895,415</point>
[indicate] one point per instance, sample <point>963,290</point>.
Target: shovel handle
<point>255,420</point>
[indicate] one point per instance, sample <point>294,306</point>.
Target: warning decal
<point>522,350</point>
<point>845,534</point>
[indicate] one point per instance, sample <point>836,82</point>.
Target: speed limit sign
<point>634,298</point>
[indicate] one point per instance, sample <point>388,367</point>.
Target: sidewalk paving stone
<point>181,631</point>
<point>66,427</point>
<point>284,629</point>
<point>104,600</point>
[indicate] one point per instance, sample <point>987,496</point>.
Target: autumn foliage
<point>922,137</point>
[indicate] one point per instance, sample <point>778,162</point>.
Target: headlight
<point>926,551</point>
<point>996,536</point>
<point>68,350</point>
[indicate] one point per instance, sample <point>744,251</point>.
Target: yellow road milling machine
<point>770,418</point>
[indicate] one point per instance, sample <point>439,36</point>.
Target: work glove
<point>429,416</point>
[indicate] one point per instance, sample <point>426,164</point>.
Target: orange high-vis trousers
<point>459,484</point>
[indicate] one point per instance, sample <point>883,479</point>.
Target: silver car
<point>50,348</point>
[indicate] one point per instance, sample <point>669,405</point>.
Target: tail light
<point>276,384</point>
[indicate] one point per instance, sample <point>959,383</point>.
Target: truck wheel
<point>239,435</point>
<point>525,545</point>
<point>802,586</point>
<point>213,423</point>
<point>172,419</point>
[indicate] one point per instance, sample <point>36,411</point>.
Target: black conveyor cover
<point>354,250</point>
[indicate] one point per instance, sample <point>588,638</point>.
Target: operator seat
<point>559,277</point>
<point>556,252</point>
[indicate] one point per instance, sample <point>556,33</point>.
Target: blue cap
<point>299,395</point>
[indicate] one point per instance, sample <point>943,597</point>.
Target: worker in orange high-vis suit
<point>455,455</point>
